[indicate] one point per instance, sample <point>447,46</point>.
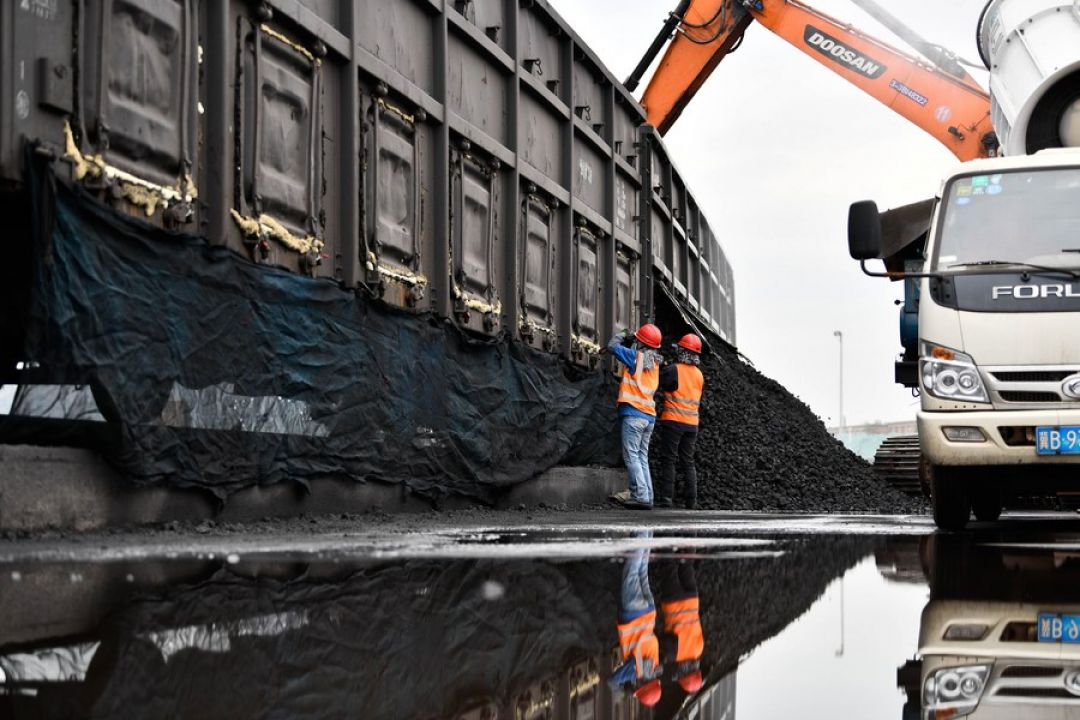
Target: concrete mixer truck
<point>991,318</point>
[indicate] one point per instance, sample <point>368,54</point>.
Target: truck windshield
<point>1030,216</point>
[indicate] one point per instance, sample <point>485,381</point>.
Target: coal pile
<point>760,448</point>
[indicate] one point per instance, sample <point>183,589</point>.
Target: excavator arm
<point>947,103</point>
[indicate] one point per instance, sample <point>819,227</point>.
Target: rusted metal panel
<point>395,176</point>
<point>37,79</point>
<point>590,96</point>
<point>627,228</point>
<point>588,293</point>
<point>476,88</point>
<point>539,271</point>
<point>540,48</point>
<point>590,176</point>
<point>140,75</point>
<point>626,290</point>
<point>278,190</point>
<point>541,133</point>
<point>489,16</point>
<point>401,34</point>
<point>475,246</point>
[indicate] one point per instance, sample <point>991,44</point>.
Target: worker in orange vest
<point>683,384</point>
<point>638,645</point>
<point>637,409</point>
<point>682,641</point>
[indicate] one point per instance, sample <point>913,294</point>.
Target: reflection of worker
<point>637,409</point>
<point>640,647</point>
<point>682,384</point>
<point>682,641</point>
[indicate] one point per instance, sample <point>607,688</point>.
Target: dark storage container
<point>470,157</point>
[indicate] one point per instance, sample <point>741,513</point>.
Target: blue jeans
<point>635,596</point>
<point>636,433</point>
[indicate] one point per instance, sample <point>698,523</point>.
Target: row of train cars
<point>470,157</point>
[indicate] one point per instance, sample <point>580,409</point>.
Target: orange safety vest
<point>681,619</point>
<point>637,390</point>
<point>637,639</point>
<point>682,405</point>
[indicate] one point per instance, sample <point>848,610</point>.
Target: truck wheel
<point>986,505</point>
<point>949,498</point>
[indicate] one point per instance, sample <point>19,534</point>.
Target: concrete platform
<point>74,489</point>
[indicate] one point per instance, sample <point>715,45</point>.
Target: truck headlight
<point>950,375</point>
<point>954,692</point>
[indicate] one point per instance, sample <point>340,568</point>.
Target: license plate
<point>1063,440</point>
<point>1055,628</point>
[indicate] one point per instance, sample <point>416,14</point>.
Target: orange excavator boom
<point>946,103</point>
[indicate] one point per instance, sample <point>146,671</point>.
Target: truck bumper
<point>1006,434</point>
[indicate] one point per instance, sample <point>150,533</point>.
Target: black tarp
<point>219,373</point>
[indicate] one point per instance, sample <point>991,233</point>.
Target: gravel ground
<point>761,448</point>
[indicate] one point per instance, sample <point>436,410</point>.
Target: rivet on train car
<point>495,164</point>
<point>264,13</point>
<point>319,49</point>
<point>465,146</point>
<point>420,115</point>
<point>381,90</point>
<point>530,188</point>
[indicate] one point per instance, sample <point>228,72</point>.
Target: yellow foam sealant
<point>139,192</point>
<point>268,226</point>
<point>402,276</point>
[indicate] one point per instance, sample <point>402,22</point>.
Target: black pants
<point>677,449</point>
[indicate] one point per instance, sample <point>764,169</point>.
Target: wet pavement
<point>555,616</point>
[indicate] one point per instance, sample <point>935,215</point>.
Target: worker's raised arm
<point>625,355</point>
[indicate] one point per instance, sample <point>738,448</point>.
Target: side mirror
<point>864,230</point>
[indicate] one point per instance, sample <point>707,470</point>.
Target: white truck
<point>993,280</point>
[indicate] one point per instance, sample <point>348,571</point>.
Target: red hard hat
<point>650,335</point>
<point>691,342</point>
<point>691,682</point>
<point>649,693</point>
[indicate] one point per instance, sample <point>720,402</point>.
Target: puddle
<point>557,625</point>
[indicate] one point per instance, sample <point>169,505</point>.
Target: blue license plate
<point>1055,628</point>
<point>1064,440</point>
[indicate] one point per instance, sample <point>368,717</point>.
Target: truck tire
<point>987,505</point>
<point>949,498</point>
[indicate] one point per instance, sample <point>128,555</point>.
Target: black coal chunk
<point>760,448</point>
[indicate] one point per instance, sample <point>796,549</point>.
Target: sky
<point>775,148</point>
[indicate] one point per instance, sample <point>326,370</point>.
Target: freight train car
<point>469,161</point>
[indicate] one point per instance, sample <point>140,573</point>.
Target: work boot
<point>635,504</point>
<point>621,497</point>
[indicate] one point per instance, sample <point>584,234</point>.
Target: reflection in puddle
<point>1000,636</point>
<point>656,630</point>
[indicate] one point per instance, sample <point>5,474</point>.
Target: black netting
<point>218,373</point>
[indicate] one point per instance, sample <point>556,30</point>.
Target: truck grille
<point>1016,396</point>
<point>1022,376</point>
<point>1031,386</point>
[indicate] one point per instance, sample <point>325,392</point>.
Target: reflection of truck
<point>999,636</point>
<point>992,272</point>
